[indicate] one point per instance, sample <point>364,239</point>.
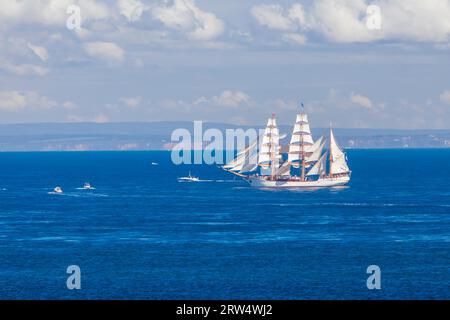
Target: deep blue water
<point>142,234</point>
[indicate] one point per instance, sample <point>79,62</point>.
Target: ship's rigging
<point>306,160</point>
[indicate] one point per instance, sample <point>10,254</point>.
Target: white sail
<point>269,152</point>
<point>338,160</point>
<point>251,163</point>
<point>302,127</point>
<point>244,157</point>
<point>320,167</point>
<point>336,152</point>
<point>233,164</point>
<point>316,150</point>
<point>315,146</point>
<point>301,138</point>
<point>237,167</point>
<point>249,167</point>
<point>339,166</point>
<point>285,169</point>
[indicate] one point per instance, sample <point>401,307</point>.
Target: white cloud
<point>131,102</point>
<point>294,38</point>
<point>29,11</point>
<point>341,21</point>
<point>361,100</point>
<point>227,98</point>
<point>69,105</point>
<point>337,20</point>
<point>445,97</point>
<point>272,16</point>
<point>50,12</point>
<point>416,20</point>
<point>12,101</point>
<point>18,100</point>
<point>105,50</point>
<point>23,69</point>
<point>131,9</point>
<point>297,15</point>
<point>186,16</point>
<point>39,51</point>
<point>231,98</point>
<point>345,20</point>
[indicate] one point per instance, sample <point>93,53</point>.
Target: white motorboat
<point>189,178</point>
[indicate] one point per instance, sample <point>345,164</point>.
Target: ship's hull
<point>260,182</point>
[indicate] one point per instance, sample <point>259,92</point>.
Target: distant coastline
<point>142,136</point>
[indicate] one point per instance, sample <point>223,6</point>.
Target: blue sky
<point>227,61</point>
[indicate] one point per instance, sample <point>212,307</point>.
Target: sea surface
<point>141,234</point>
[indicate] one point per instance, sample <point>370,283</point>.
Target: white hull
<point>259,182</point>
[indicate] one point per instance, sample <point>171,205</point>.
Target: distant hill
<point>156,136</point>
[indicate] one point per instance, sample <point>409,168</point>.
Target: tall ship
<point>303,163</point>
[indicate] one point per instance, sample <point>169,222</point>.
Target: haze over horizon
<point>226,61</point>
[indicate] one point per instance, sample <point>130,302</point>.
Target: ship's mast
<point>268,154</point>
<point>272,158</point>
<point>331,155</point>
<point>302,146</point>
<point>301,142</point>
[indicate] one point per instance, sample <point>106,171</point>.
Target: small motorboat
<point>57,190</point>
<point>189,178</point>
<point>155,163</point>
<point>87,186</point>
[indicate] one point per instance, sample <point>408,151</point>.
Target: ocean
<point>141,234</point>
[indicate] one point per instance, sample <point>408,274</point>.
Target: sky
<point>356,63</point>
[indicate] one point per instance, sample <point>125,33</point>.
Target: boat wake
<point>89,195</point>
<point>79,194</point>
<point>56,193</point>
<point>210,180</point>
